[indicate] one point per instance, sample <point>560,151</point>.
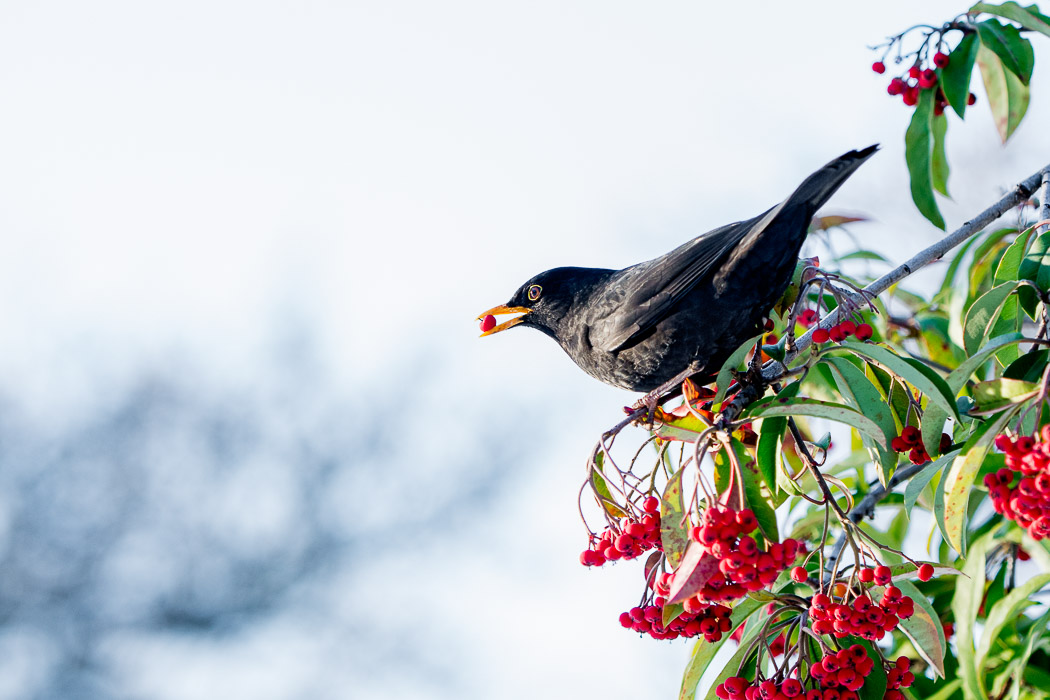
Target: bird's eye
<point>534,292</point>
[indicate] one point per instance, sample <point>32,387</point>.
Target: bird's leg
<point>666,391</point>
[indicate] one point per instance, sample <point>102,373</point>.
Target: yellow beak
<point>503,309</point>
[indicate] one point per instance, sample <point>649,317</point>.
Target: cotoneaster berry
<point>488,323</point>
<point>925,572</point>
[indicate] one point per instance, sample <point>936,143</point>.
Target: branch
<point>775,369</point>
<point>1044,212</point>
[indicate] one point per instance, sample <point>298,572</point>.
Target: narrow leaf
<point>915,373</point>
<point>969,592</point>
<point>982,315</point>
<point>918,483</point>
<point>1003,612</point>
<point>1013,11</point>
<point>918,145</point>
<point>672,535</point>
<point>820,409</point>
<point>938,159</point>
<point>958,482</point>
<point>1035,267</point>
<point>1007,95</point>
<point>955,77</point>
<point>1013,50</point>
<point>924,628</point>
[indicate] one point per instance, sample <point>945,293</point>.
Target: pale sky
<point>194,182</point>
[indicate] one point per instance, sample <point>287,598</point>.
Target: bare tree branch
<point>774,369</point>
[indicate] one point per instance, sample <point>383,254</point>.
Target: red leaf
<point>697,567</point>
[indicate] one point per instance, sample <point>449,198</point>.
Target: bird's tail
<point>818,187</point>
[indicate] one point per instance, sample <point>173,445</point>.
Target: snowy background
<point>250,443</point>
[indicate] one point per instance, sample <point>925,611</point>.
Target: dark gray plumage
<point>640,327</point>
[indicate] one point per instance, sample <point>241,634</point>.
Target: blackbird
<point>649,326</point>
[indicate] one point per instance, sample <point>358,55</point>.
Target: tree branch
<point>1044,211</point>
<point>775,369</point>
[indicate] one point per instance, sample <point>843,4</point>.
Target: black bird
<point>649,326</point>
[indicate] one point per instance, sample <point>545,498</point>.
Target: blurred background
<point>250,443</point>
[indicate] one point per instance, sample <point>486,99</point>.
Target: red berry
<point>925,572</point>
<point>866,575</point>
<point>488,323</point>
<point>848,327</point>
<point>879,67</point>
<point>911,435</point>
<point>911,95</point>
<point>896,87</point>
<point>882,575</point>
<point>914,72</point>
<point>626,620</point>
<point>863,332</point>
<point>940,59</point>
<point>837,333</point>
<point>799,574</point>
<point>821,335</point>
<point>972,99</point>
<point>651,504</point>
<point>927,79</point>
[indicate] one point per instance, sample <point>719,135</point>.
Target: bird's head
<point>544,300</point>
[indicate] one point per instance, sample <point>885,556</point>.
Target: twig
<point>775,368</point>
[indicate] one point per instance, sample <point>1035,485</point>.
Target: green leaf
<point>1035,633</point>
<point>673,536</point>
<point>725,374</point>
<point>961,374</point>
<point>912,371</point>
<point>704,652</point>
<point>819,409</point>
<point>955,77</point>
<point>1007,95</point>
<point>958,482</point>
<point>859,391</point>
<point>601,488</point>
<point>996,394</point>
<point>919,482</point>
<point>1003,612</point>
<point>770,436</point>
<point>938,159</point>
<point>758,492</point>
<point>864,255</point>
<point>982,315</point>
<point>954,263</point>
<point>1013,50</point>
<point>918,146</point>
<point>969,591</point>
<point>924,628</point>
<point>1035,267</point>
<point>1014,12</point>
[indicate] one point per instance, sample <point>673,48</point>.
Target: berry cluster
<point>898,677</point>
<point>1028,501</point>
<point>841,331</point>
<point>864,617</point>
<point>839,676</point>
<point>636,537</point>
<point>910,441</point>
<point>725,534</point>
<point>917,78</point>
<point>711,622</point>
<point>845,669</point>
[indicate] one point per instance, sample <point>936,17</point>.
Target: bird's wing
<point>643,294</point>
